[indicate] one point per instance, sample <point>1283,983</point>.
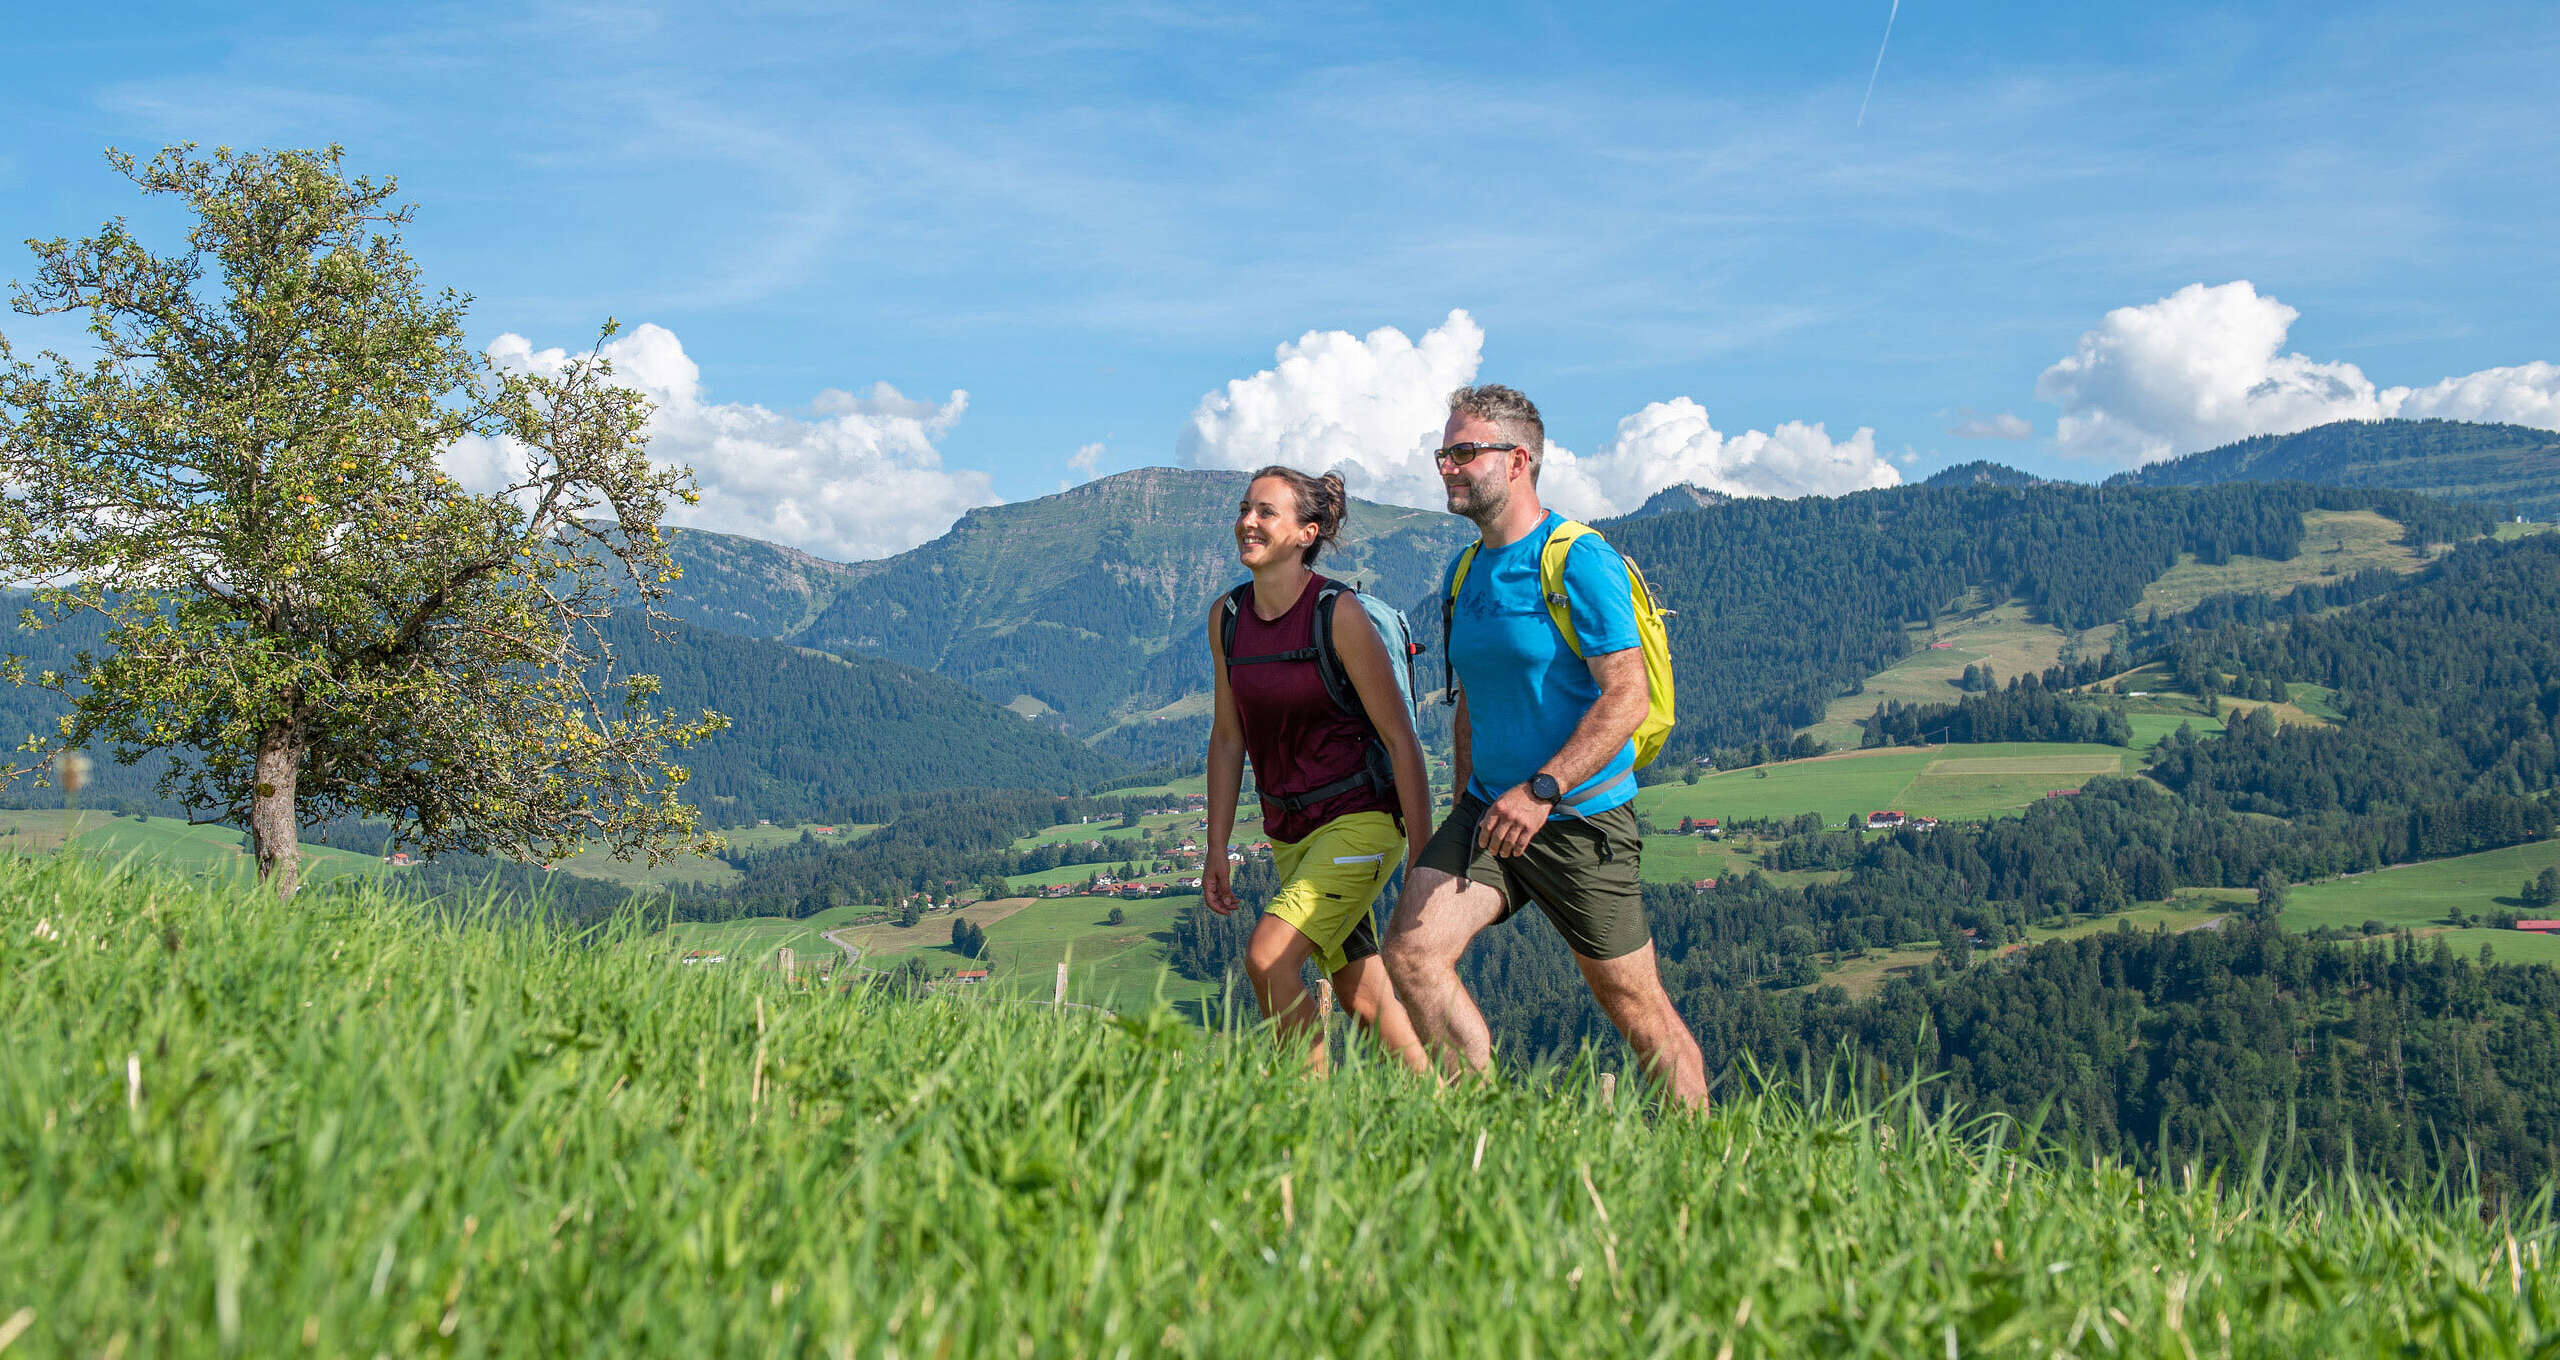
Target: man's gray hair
<point>1511,410</point>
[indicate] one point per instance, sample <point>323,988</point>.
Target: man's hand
<point>1214,887</point>
<point>1507,826</point>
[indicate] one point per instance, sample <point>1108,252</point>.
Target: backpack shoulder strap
<point>1241,598</point>
<point>1329,667</point>
<point>1227,621</point>
<point>1551,577</point>
<point>1448,615</point>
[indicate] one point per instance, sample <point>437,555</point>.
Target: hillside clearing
<point>1118,966</point>
<point>2335,544</point>
<point>2003,638</point>
<point>2424,895</point>
<point>1946,782</point>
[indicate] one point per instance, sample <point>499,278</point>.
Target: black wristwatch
<point>1542,786</point>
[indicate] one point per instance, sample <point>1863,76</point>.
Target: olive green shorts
<point>1583,872</point>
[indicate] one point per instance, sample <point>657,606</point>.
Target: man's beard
<point>1478,502</point>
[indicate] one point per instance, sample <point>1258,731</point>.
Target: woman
<point>1334,852</point>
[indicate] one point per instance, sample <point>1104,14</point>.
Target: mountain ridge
<point>2515,468</point>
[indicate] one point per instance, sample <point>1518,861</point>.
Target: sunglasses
<point>1459,455</point>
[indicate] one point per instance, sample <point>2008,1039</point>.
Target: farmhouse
<point>2541,927</point>
<point>1886,820</point>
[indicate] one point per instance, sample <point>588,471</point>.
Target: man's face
<point>1481,490</point>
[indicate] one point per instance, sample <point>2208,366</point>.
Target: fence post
<point>789,963</point>
<point>1608,1088</point>
<point>1060,997</point>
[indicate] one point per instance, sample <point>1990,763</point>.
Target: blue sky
<point>1668,225</point>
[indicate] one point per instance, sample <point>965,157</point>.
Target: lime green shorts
<point>1329,880</point>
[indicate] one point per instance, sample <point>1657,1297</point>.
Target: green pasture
<point>753,940</point>
<point>2153,724</point>
<point>182,846</point>
<point>1118,966</point>
<point>2335,544</point>
<point>1189,785</point>
<point>1064,873</point>
<point>639,875</point>
<point>2004,638</point>
<point>1867,974</point>
<point>1111,830</point>
<point>1676,858</point>
<point>2419,896</point>
<point>1955,782</point>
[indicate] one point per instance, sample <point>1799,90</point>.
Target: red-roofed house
<point>2544,927</point>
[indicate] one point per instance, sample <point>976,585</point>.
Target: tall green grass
<point>333,1128</point>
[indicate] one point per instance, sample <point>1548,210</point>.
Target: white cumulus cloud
<point>2207,365</point>
<point>1373,407</point>
<point>1673,441</point>
<point>2522,394</point>
<point>863,479</point>
<point>1369,405</point>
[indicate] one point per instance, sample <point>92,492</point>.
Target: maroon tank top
<point>1296,736</point>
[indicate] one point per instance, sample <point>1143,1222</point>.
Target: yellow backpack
<point>1651,635</point>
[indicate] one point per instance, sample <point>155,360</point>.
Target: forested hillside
<point>810,733</point>
<point>2510,467</point>
<point>1783,605</point>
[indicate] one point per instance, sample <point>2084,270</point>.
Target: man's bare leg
<point>1629,988</point>
<point>1440,914</point>
<point>1362,987</point>
<point>1272,960</point>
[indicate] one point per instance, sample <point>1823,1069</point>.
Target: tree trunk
<point>275,830</point>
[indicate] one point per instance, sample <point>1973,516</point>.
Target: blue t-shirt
<point>1526,690</point>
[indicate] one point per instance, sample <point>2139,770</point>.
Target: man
<point>1545,771</point>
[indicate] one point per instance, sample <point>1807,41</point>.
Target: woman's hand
<point>1214,887</point>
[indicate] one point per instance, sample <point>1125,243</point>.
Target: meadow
<point>1946,782</point>
<point>695,870</point>
<point>1112,966</point>
<point>2003,637</point>
<point>2420,897</point>
<point>237,1127</point>
<point>752,941</point>
<point>181,846</point>
<point>2335,543</point>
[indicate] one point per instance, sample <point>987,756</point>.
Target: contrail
<point>1880,47</point>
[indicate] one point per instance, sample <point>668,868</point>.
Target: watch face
<point>1542,786</point>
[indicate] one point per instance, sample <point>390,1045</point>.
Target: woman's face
<point>1267,525</point>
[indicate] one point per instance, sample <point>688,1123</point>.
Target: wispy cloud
<point>2005,425</point>
<point>1889,16</point>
